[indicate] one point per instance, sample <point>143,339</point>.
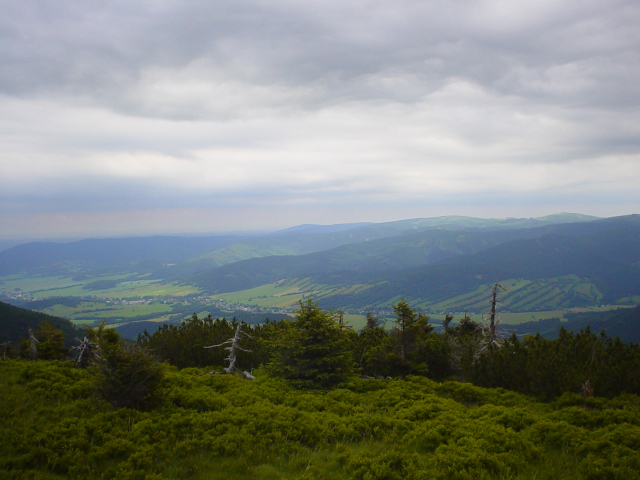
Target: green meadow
<point>525,295</point>
<point>99,311</point>
<point>125,285</point>
<point>287,293</point>
<point>282,294</point>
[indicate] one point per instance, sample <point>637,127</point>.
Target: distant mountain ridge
<point>397,252</point>
<point>442,264</point>
<point>445,263</point>
<point>177,256</point>
<point>109,253</point>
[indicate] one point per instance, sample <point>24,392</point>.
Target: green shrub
<point>128,377</point>
<point>220,426</point>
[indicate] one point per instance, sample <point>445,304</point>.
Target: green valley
<point>548,267</point>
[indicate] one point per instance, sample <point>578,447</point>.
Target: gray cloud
<point>339,49</point>
<point>164,104</point>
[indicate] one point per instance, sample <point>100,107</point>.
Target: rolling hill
<point>15,322</point>
<point>173,257</point>
<point>623,323</point>
<point>439,264</point>
<point>585,263</point>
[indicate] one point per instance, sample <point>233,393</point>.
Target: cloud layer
<point>254,114</point>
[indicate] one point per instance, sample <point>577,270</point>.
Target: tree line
<point>317,350</point>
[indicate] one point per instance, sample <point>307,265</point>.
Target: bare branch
<point>489,328</point>
<point>234,345</point>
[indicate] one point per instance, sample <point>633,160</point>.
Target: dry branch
<point>233,346</point>
<point>87,351</point>
<point>33,340</point>
<point>492,332</point>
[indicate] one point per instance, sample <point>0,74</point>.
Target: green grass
<point>63,286</point>
<point>49,286</point>
<point>127,289</point>
<point>356,321</point>
<point>149,288</point>
<point>282,294</point>
<point>288,293</point>
<point>516,318</point>
<point>523,317</point>
<point>525,295</point>
<point>97,311</point>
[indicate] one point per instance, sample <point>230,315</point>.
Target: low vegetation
<point>220,426</point>
<point>327,402</point>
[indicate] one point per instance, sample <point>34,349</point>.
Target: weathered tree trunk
<point>6,347</point>
<point>87,351</point>
<point>234,346</point>
<point>33,340</point>
<point>490,331</point>
<point>587,389</point>
<point>492,313</point>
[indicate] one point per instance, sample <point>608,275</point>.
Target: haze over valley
<point>550,267</point>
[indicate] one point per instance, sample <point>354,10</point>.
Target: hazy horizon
<point>150,118</point>
<point>8,242</point>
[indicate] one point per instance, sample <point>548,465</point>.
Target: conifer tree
<point>374,349</point>
<point>50,345</point>
<point>126,376</point>
<point>314,350</point>
<point>411,334</point>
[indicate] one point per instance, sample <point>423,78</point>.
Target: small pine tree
<point>374,349</point>
<point>126,376</point>
<point>314,351</point>
<point>45,343</point>
<point>412,338</point>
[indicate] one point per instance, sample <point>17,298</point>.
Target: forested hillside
<point>623,323</point>
<point>186,254</point>
<point>15,323</point>
<point>599,260</point>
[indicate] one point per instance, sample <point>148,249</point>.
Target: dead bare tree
<point>6,347</point>
<point>87,351</point>
<point>586,389</point>
<point>33,341</point>
<point>492,332</point>
<point>233,346</point>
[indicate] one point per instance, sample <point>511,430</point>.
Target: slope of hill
<point>368,266</point>
<point>15,323</point>
<point>391,253</point>
<point>171,257</point>
<point>623,323</point>
<point>585,262</point>
<point>106,254</point>
<point>221,427</point>
<point>306,239</point>
<point>312,228</point>
<point>604,267</point>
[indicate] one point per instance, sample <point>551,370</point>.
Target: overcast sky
<point>161,116</point>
